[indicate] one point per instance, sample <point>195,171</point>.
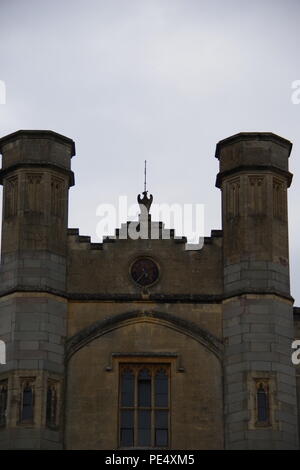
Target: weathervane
<point>145,201</point>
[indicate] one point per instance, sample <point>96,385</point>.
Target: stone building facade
<point>140,343</point>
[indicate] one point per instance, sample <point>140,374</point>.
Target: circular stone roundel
<point>144,271</point>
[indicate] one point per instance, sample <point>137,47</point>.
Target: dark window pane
<point>161,401</point>
<point>27,408</point>
<point>144,419</point>
<point>161,382</point>
<point>127,398</point>
<point>27,413</point>
<point>144,374</point>
<point>161,389</point>
<point>127,419</point>
<point>127,437</point>
<point>145,394</point>
<point>144,437</point>
<point>144,388</point>
<point>262,404</point>
<point>27,396</point>
<point>161,419</point>
<point>49,401</point>
<point>51,406</point>
<point>161,437</point>
<point>3,404</point>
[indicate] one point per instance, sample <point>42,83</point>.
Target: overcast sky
<point>162,80</point>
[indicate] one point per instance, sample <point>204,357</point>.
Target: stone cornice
<point>41,166</point>
<point>253,168</point>
<point>142,297</point>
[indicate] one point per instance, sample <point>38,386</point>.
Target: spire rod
<point>145,173</point>
<point>145,201</point>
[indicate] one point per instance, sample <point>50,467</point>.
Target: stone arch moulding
<point>100,328</point>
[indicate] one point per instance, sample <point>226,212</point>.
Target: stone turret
<point>260,390</point>
<point>36,177</point>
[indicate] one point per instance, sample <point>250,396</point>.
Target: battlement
<point>83,242</point>
<point>122,234</point>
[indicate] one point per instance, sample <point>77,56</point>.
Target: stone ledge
<point>126,297</point>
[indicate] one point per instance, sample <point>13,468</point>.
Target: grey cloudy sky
<point>163,80</point>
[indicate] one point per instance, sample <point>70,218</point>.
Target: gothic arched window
<point>3,402</point>
<point>27,402</point>
<point>51,406</point>
<point>262,401</point>
<point>144,405</point>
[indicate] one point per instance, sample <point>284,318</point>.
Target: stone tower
<point>36,178</point>
<point>257,306</point>
<point>205,327</point>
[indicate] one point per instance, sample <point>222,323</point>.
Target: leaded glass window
<point>144,405</point>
